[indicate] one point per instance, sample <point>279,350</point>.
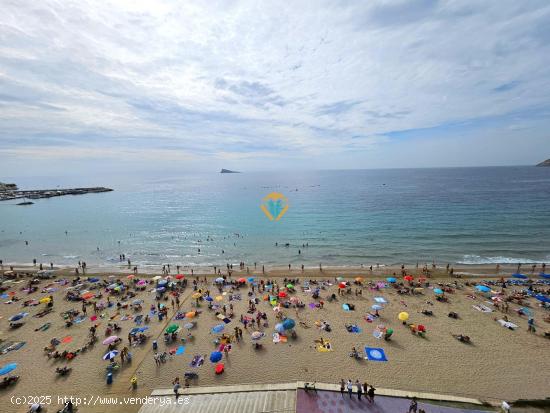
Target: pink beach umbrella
<point>110,340</point>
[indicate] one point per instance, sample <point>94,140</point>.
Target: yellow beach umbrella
<point>218,298</point>
<point>196,296</point>
<point>45,300</point>
<point>403,316</point>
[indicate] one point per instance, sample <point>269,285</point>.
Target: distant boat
<point>227,171</point>
<point>26,203</point>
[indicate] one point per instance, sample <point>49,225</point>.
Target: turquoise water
<point>467,215</point>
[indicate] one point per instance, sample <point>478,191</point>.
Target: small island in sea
<point>227,171</point>
<point>544,163</point>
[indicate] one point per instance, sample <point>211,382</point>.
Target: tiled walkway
<point>333,402</point>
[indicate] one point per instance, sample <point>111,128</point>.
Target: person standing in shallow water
<point>342,387</point>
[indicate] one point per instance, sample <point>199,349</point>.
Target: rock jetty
<point>8,194</point>
<point>227,171</point>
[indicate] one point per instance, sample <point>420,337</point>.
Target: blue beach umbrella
<point>438,291</point>
<point>162,282</point>
<point>279,328</point>
<point>93,280</point>
<point>520,276</point>
<point>215,356</point>
<point>542,298</point>
<point>391,279</point>
<point>208,298</point>
<point>219,280</point>
<point>250,279</point>
<point>483,288</point>
<point>110,355</point>
<point>288,324</point>
<point>218,329</point>
<point>160,289</point>
<point>8,368</point>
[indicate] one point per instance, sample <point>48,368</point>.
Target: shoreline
<point>463,270</point>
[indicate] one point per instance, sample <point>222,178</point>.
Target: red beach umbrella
<point>408,278</point>
<point>282,294</point>
<point>179,276</point>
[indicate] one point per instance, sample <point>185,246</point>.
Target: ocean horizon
<point>464,215</point>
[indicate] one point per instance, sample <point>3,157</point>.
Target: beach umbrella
<point>162,282</point>
<point>190,314</point>
<point>110,340</point>
<point>180,276</point>
<point>377,307</point>
<point>93,280</point>
<point>218,298</point>
<point>250,279</point>
<point>196,296</point>
<point>340,278</point>
<point>421,328</point>
<point>141,282</point>
<point>256,335</point>
<point>110,355</point>
<point>218,328</point>
<point>408,278</point>
<point>18,316</point>
<point>44,300</point>
<point>282,294</point>
<point>160,289</point>
<point>130,276</point>
<point>172,328</point>
<point>137,301</point>
<point>242,280</point>
<point>156,278</point>
<point>219,280</point>
<point>189,326</point>
<point>520,276</point>
<point>87,295</point>
<point>288,324</point>
<point>8,368</point>
<point>438,291</point>
<point>391,280</point>
<point>542,298</point>
<point>403,316</point>
<point>290,285</point>
<point>359,279</point>
<point>483,288</point>
<point>208,298</point>
<point>215,356</point>
<point>279,328</point>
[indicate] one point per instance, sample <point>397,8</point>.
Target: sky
<point>100,86</point>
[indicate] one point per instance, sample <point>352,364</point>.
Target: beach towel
<point>15,346</point>
<point>5,345</point>
<point>180,350</point>
<point>375,354</point>
<point>482,308</point>
<point>507,324</point>
<point>79,319</point>
<point>67,339</point>
<point>324,348</point>
<point>197,361</point>
<point>369,318</point>
<point>312,305</point>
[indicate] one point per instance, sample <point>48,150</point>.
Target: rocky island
<point>544,163</point>
<point>10,191</point>
<point>227,171</point>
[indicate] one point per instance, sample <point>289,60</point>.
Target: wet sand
<point>500,364</point>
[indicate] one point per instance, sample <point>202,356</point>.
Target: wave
<point>476,259</point>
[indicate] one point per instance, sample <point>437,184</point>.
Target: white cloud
<point>296,79</point>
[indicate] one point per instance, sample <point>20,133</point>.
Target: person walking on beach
<point>342,387</point>
<point>531,325</point>
<point>177,386</point>
<point>350,388</point>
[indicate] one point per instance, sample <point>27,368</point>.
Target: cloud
<point>274,81</point>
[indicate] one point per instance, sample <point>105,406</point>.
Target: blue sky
<point>88,85</point>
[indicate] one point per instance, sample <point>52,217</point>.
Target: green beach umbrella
<point>172,328</point>
<point>290,285</point>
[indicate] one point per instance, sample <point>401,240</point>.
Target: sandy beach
<point>499,364</point>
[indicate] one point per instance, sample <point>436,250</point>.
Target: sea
<point>338,218</point>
